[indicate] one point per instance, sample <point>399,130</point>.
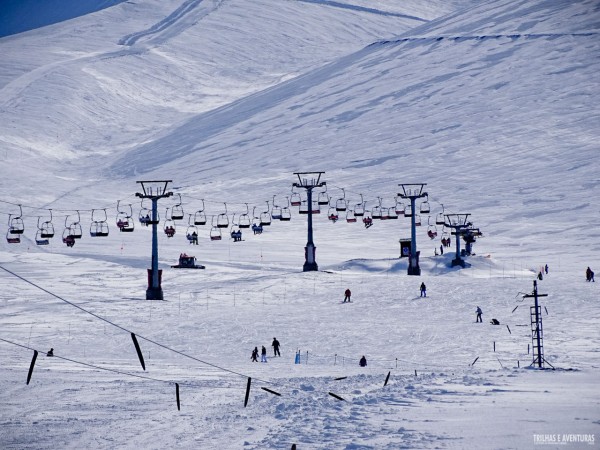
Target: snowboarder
<point>255,354</point>
<point>50,352</point>
<point>423,290</point>
<point>275,346</point>
<point>263,354</point>
<point>589,275</point>
<point>479,313</point>
<point>347,295</point>
<point>546,269</point>
<point>363,361</point>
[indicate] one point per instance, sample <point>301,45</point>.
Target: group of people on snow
<point>263,352</point>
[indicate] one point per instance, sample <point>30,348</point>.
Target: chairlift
<point>332,214</point>
<point>245,220</point>
<point>392,214</point>
<point>286,213</point>
<point>431,229</point>
<point>341,203</point>
<point>177,210</point>
<point>399,208</point>
<point>275,211</point>
<point>350,216</point>
<point>295,199</point>
<point>323,198</point>
<point>99,226</point>
<point>439,219</point>
<point>12,238</point>
<point>425,207</point>
<point>376,212</point>
<point>68,237</point>
<point>125,222</point>
<point>39,240</point>
<point>46,229</point>
<point>200,216</point>
<point>145,216</point>
<point>16,224</point>
<point>303,207</point>
<point>215,231</point>
<point>265,217</point>
<point>235,233</point>
<point>367,219</point>
<point>408,211</point>
<point>417,220</point>
<point>75,227</point>
<point>223,219</point>
<point>169,225</point>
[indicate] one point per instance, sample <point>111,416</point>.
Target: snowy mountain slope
<point>498,117</point>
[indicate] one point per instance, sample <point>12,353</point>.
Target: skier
<point>441,249</point>
<point>347,295</point>
<point>263,354</point>
<point>546,269</point>
<point>479,313</point>
<point>275,346</point>
<point>423,290</point>
<point>255,354</point>
<point>589,274</point>
<point>363,361</point>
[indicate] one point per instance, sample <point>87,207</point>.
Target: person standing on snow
<point>263,354</point>
<point>363,362</point>
<point>423,290</point>
<point>589,274</point>
<point>479,313</point>
<point>347,295</point>
<point>255,354</point>
<point>275,346</point>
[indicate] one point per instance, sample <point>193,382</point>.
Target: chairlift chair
<point>316,208</point>
<point>295,199</point>
<point>177,210</point>
<point>323,197</point>
<point>275,211</point>
<point>46,229</point>
<point>15,224</point>
<point>286,214</point>
<point>99,226</point>
<point>408,211</point>
<point>376,212</point>
<point>169,225</point>
<point>215,234</point>
<point>399,208</point>
<point>12,238</point>
<point>75,227</point>
<point>125,221</point>
<point>425,207</point>
<point>392,214</point>
<point>350,216</point>
<point>245,220</point>
<point>367,219</point>
<point>39,240</point>
<point>359,208</point>
<point>417,220</point>
<point>223,219</point>
<point>439,219</point>
<point>192,234</point>
<point>303,207</point>
<point>68,237</point>
<point>332,214</point>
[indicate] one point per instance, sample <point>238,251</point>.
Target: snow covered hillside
<point>492,104</point>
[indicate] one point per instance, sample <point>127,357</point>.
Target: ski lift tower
<point>309,181</point>
<point>413,192</point>
<point>154,190</point>
<point>459,223</point>
<point>537,334</point>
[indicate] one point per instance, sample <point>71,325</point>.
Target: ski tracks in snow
<point>175,23</point>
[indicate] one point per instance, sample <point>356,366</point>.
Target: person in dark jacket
<point>423,290</point>
<point>347,295</point>
<point>479,313</point>
<point>363,361</point>
<point>255,354</point>
<point>263,354</point>
<point>275,346</point>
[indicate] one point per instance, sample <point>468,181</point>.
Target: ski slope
<point>493,105</point>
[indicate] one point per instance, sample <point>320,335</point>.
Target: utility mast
<point>413,192</point>
<point>154,190</point>
<point>309,181</point>
<point>537,332</point>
